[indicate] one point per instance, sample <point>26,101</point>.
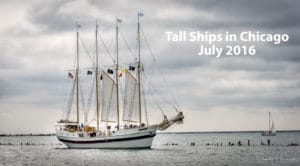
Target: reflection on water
<point>167,149</point>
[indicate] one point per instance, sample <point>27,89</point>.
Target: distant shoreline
<point>203,132</point>
<point>185,132</point>
<point>21,135</point>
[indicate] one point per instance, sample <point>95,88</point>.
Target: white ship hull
<point>124,138</point>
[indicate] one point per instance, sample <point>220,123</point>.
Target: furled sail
<point>131,102</point>
<point>109,98</point>
<point>166,123</point>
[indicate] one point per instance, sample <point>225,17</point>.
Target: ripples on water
<point>168,149</point>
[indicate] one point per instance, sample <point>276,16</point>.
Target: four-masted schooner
<point>128,133</point>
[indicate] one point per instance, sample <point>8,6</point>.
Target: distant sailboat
<point>111,131</point>
<point>271,131</point>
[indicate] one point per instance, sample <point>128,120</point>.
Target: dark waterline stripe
<point>107,140</point>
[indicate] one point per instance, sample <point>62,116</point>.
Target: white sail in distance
<point>131,102</point>
<point>109,98</point>
<point>273,130</point>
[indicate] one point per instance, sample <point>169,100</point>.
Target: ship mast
<point>96,75</point>
<point>139,70</point>
<point>117,71</point>
<point>77,71</point>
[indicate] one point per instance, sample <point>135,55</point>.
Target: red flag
<point>70,75</point>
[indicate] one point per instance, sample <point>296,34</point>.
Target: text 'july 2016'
<point>216,44</point>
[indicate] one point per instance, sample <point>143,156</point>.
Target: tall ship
<point>114,127</point>
<point>271,129</point>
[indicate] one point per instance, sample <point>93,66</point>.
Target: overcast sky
<point>37,45</point>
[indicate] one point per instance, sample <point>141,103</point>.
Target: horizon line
<point>159,132</point>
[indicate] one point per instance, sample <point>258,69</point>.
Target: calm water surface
<point>168,149</point>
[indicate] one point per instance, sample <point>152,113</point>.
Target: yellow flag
<point>122,72</point>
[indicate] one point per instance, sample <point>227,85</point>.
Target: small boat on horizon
<point>271,131</point>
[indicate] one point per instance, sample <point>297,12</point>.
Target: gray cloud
<point>35,48</point>
<point>49,17</point>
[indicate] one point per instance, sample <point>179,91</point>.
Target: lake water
<point>167,149</point>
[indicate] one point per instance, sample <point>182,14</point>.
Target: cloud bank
<point>38,43</point>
